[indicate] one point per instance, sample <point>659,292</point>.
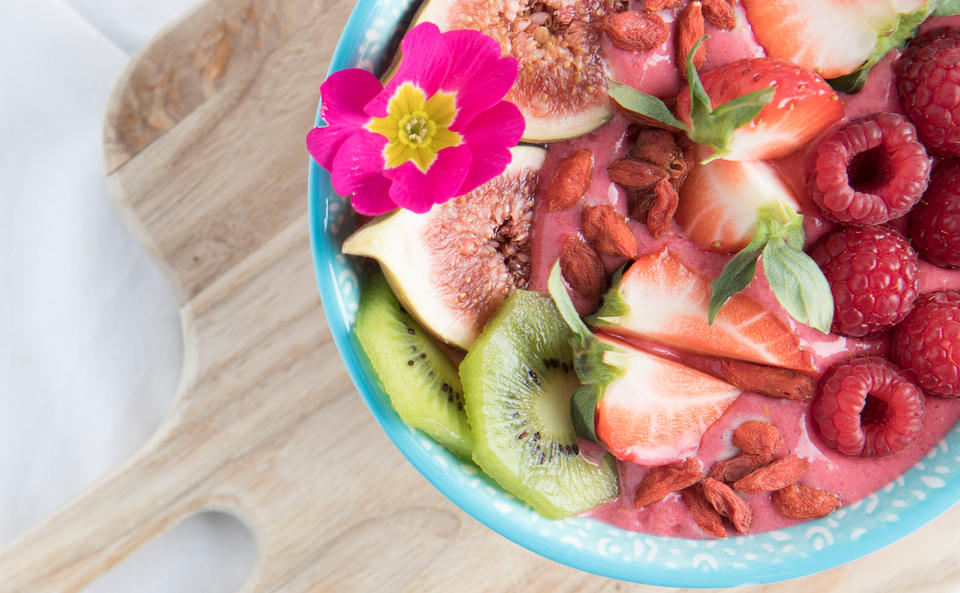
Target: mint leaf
<point>736,275</point>
<point>947,8</point>
<point>583,407</point>
<point>569,313</point>
<point>647,105</point>
<point>798,284</point>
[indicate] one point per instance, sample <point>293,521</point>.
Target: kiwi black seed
<point>421,382</point>
<point>518,379</point>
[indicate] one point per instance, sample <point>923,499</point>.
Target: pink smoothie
<point>850,478</point>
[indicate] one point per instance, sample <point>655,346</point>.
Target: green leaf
<point>633,100</point>
<point>947,8</point>
<point>739,112</point>
<point>698,95</point>
<point>714,127</point>
<point>798,284</point>
<point>569,313</point>
<point>612,306</point>
<point>736,275</point>
<point>583,407</point>
<point>853,82</point>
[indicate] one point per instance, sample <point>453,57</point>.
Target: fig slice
<point>452,266</point>
<point>561,87</point>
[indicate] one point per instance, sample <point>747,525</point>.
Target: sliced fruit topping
<point>869,171</point>
<point>874,278</point>
<point>935,220</point>
<point>560,88</point>
<point>867,407</point>
<point>451,267</point>
<point>800,106</point>
<point>422,383</point>
<point>518,379</point>
<point>658,410</point>
<point>643,408</point>
<point>928,84</point>
<point>660,299</point>
<point>721,201</point>
<point>927,343</point>
<point>752,109</point>
<point>836,38</point>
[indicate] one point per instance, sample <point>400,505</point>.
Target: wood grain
<point>204,152</point>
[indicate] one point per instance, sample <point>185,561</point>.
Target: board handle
<point>146,495</point>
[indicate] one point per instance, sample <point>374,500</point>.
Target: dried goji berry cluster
<point>651,174</point>
<point>754,470</point>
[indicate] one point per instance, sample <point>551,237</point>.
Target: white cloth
<point>90,344</point>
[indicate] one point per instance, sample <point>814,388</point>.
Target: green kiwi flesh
<point>420,380</point>
<point>518,379</point>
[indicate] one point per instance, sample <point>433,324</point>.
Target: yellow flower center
<point>416,128</point>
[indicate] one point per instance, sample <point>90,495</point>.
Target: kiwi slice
<point>518,379</point>
<point>422,383</point>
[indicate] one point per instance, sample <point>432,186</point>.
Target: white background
<point>90,344</point>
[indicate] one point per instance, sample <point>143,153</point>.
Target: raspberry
<point>927,343</point>
<point>867,407</point>
<point>929,85</point>
<point>869,171</point>
<point>873,275</point>
<point>935,221</point>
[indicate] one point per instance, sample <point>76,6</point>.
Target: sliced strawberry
<point>833,37</point>
<point>657,410</point>
<point>660,299</point>
<point>720,201</point>
<point>802,107</point>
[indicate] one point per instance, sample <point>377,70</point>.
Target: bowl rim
<point>325,251</point>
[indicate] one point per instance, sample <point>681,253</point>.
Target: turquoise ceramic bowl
<point>924,492</point>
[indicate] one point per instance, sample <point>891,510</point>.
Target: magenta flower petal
<point>359,160</point>
<point>477,70</point>
<point>418,191</point>
<point>373,198</point>
<point>323,143</point>
<point>490,136</point>
<point>344,94</point>
<point>425,62</point>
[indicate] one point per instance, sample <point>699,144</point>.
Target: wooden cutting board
<point>205,158</point>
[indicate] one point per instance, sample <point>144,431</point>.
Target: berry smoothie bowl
<point>663,290</point>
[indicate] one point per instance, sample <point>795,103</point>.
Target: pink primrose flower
<point>438,129</point>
